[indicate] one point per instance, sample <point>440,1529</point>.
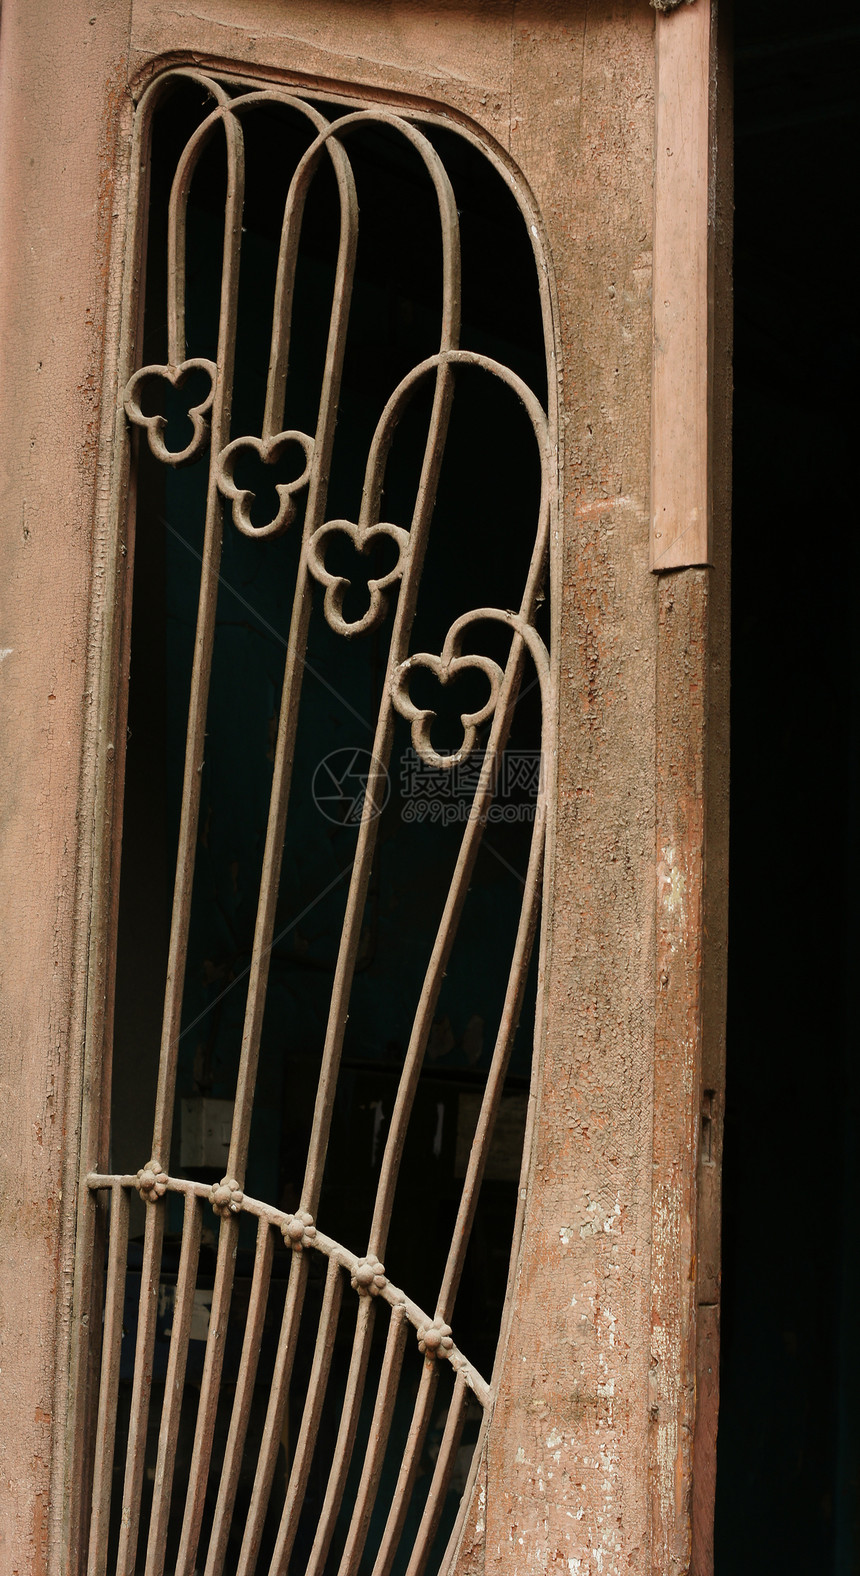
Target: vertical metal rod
<point>112,645</point>
<point>404,614</point>
<point>345,1436</point>
<point>109,1386</point>
<point>314,1397</point>
<point>350,934</point>
<point>445,1462</point>
<point>267,902</point>
<point>314,513</point>
<point>165,1093</point>
<point>421,1414</point>
<point>207,1406</point>
<point>138,1420</point>
<point>496,1077</point>
<point>242,1400</point>
<point>210,564</point>
<point>380,1428</point>
<point>273,1426</point>
<point>435,973</point>
<point>471,841</point>
<point>174,1387</point>
<point>204,638</point>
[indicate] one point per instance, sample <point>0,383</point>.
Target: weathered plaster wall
<point>566,1490</point>
<point>59,78</point>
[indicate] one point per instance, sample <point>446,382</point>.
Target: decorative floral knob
<point>368,1278</point>
<point>151,1181</point>
<point>226,1197</point>
<point>299,1231</point>
<point>435,1340</point>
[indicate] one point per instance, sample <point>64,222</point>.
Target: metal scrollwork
<point>336,586</point>
<point>155,426</point>
<point>268,450</point>
<point>445,668</point>
<point>396,591</point>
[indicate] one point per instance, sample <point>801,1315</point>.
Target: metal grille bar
<point>230,104</point>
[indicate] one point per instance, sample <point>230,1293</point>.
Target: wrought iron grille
<point>353,1270</point>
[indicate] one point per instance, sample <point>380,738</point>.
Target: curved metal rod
<point>242,1401</point>
<point>444,1467</point>
<point>524,637</point>
<point>529,914</point>
<point>222,1292</point>
<point>377,1442</point>
<point>109,1386</point>
<point>404,614</point>
<point>168,1434</point>
<point>297,644</point>
<point>369,524</point>
<point>345,1441</point>
<point>282,774</point>
<point>381,750</point>
<point>305,169</point>
<point>311,1413</point>
<point>178,945</point>
<point>202,662</point>
<point>393,1295</point>
<point>421,1415</point>
<point>95,1113</point>
<point>404,392</point>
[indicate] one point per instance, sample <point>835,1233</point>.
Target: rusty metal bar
<point>381,751</point>
<point>183,1308</point>
<point>382,744</point>
<point>421,1415</point>
<point>482,1138</point>
<point>445,1462</point>
<point>150,1272</point>
<point>273,1425</point>
<point>260,1282</point>
<point>350,934</point>
<point>385,1290</point>
<point>404,614</point>
<point>314,512</point>
<point>314,1398</point>
<point>165,1094</point>
<point>207,1407</point>
<point>205,634</point>
<point>109,1386</point>
<point>457,891</point>
<point>380,1428</point>
<point>345,1437</point>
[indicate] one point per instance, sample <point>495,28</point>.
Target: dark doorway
<point>788,1482</point>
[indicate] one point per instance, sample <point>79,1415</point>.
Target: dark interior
<point>788,1475</point>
